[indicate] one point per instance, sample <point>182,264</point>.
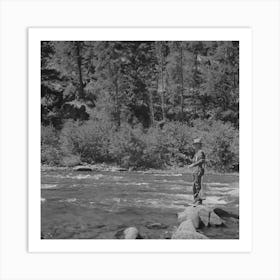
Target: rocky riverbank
<point>191,222</point>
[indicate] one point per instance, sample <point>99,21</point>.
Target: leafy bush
<point>70,160</point>
<point>50,150</point>
<point>156,153</point>
<point>100,141</point>
<point>50,155</point>
<point>221,144</point>
<point>133,147</point>
<point>179,141</point>
<point>90,140</point>
<point>49,136</point>
<point>126,146</point>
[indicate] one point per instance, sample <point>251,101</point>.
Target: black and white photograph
<point>140,139</point>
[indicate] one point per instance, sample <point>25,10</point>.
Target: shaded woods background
<point>139,104</point>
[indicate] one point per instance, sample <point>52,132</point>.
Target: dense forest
<point>139,104</point>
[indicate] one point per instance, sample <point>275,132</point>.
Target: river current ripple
<point>98,205</point>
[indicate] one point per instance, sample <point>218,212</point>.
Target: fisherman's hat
<point>197,141</point>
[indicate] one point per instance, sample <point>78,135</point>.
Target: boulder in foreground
<point>215,220</point>
<point>204,215</point>
<point>186,230</point>
<point>194,217</point>
<point>200,215</point>
<point>222,213</point>
<point>190,213</point>
<point>131,233</point>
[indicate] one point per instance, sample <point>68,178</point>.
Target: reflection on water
<point>98,205</point>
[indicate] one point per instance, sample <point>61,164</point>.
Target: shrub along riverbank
<point>168,144</point>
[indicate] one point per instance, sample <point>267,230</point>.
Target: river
<point>99,205</point>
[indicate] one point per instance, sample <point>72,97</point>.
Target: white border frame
<point>244,243</point>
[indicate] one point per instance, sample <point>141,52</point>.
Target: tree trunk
<point>117,103</point>
<point>151,107</point>
<point>182,82</point>
<point>79,64</point>
<point>114,79</point>
<point>162,83</point>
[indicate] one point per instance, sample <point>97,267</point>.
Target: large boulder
<point>201,215</point>
<point>215,220</point>
<point>222,213</point>
<point>186,230</point>
<point>204,215</point>
<point>194,217</point>
<point>131,233</point>
<point>190,213</point>
<point>82,168</point>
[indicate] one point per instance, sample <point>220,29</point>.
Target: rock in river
<point>82,168</point>
<point>222,213</point>
<point>186,230</point>
<point>131,233</point>
<point>190,213</point>
<point>200,215</point>
<point>156,226</point>
<point>215,220</point>
<point>204,215</point>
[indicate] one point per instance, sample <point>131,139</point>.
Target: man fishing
<point>198,171</point>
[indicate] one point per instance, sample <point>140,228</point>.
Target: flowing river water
<point>99,205</point>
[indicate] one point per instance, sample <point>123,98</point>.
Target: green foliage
<point>50,155</point>
<point>180,136</point>
<point>157,151</point>
<point>138,148</point>
<point>101,102</point>
<point>90,140</point>
<point>221,144</point>
<point>127,147</point>
<point>50,150</point>
<point>70,160</point>
<point>49,136</point>
<point>133,147</point>
<point>143,82</point>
